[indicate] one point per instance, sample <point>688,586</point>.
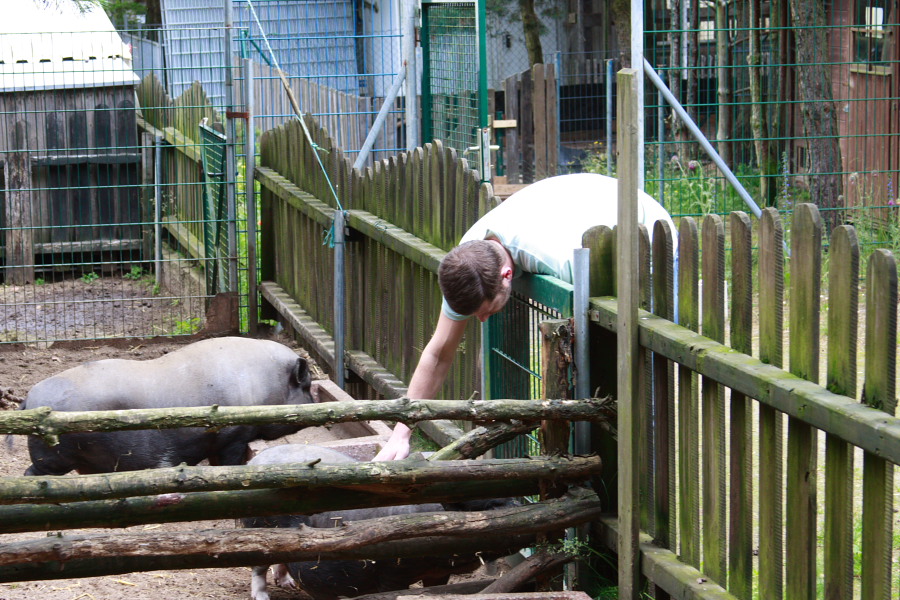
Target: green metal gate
<point>511,346</point>
<point>454,79</point>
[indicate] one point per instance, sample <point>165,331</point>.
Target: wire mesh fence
<point>798,105</point>
<point>123,204</point>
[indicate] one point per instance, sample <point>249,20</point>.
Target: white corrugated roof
<point>55,44</point>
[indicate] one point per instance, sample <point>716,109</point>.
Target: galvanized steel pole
<point>339,308</point>
<point>410,66</point>
<point>230,168</point>
<point>582,264</point>
<point>250,191</point>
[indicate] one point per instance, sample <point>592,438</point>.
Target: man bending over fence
<point>536,230</point>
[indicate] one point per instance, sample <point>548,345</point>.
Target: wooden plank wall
<point>712,418</point>
<point>72,157</point>
<point>404,214</point>
<point>532,148</point>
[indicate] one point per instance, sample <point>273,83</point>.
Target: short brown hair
<point>470,274</point>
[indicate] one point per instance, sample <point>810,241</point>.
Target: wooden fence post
<point>879,391</point>
<point>629,356</point>
<point>843,307</point>
<point>806,268</point>
<point>19,235</point>
<point>771,438</point>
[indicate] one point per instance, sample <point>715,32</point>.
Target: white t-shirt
<point>542,224</point>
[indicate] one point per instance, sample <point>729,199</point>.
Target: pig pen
<point>23,366</point>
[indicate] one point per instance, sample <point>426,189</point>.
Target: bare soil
<point>21,367</point>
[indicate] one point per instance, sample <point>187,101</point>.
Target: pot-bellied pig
<point>229,371</point>
<point>328,580</point>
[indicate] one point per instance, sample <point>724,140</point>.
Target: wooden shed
<point>68,140</point>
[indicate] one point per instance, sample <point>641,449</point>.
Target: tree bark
<point>391,476</point>
<point>525,571</point>
<point>758,121</point>
<point>674,37</point>
<point>692,43</point>
<point>49,424</point>
<point>483,438</point>
<point>817,108</point>
<point>197,506</point>
<point>723,78</point>
<point>620,13</point>
<point>84,556</point>
<point>532,28</point>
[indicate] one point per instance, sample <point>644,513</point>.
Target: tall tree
<point>675,36</point>
<point>758,122</point>
<point>532,26</point>
<point>817,107</point>
<point>620,15</point>
<point>723,79</point>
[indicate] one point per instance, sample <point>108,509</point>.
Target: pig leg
<point>258,583</point>
<point>283,577</point>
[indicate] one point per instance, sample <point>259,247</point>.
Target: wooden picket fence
<point>404,214</point>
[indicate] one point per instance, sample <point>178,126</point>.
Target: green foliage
<point>187,327</point>
<point>39,281</point>
<point>89,277</point>
<point>135,274</point>
<point>124,13</point>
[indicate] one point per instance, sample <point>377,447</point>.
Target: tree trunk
<point>674,37</point>
<point>817,108</point>
<point>49,424</point>
<point>723,79</point>
<point>532,27</point>
<point>758,122</point>
<point>373,486</point>
<point>405,535</point>
<point>620,13</point>
<point>692,62</point>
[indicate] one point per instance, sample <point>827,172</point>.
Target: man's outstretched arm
<point>427,379</point>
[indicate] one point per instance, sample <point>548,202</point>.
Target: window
<point>869,31</point>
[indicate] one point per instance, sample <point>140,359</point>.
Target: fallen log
<point>198,506</point>
<point>49,424</point>
<point>526,570</point>
<point>479,440</point>
<point>374,476</point>
<point>83,556</point>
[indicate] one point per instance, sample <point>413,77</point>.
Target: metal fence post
<point>230,167</point>
<point>339,297</point>
<point>157,208</point>
<point>250,191</point>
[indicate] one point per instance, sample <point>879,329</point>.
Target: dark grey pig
<point>328,580</point>
<point>228,371</point>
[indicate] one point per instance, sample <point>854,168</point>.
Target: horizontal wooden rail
<point>398,476</point>
<point>48,424</point>
<point>870,429</point>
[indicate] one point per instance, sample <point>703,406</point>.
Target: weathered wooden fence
<point>531,148</point>
<point>177,123</point>
<point>729,486</point>
<point>403,215</point>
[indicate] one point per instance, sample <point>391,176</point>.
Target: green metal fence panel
<point>215,235</point>
<point>454,76</point>
<point>511,342</point>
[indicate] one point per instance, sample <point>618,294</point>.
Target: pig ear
<point>300,376</point>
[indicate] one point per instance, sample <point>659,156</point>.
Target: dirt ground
<point>23,366</point>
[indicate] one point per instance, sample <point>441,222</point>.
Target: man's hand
<point>397,446</point>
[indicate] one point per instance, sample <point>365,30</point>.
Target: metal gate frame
<point>465,128</point>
